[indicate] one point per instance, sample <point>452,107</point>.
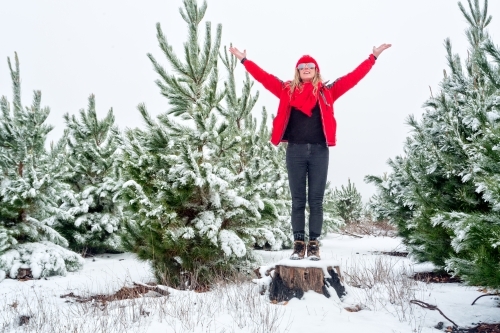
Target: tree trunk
<point>289,282</point>
<point>24,274</point>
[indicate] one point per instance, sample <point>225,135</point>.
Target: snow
<point>231,243</point>
<point>43,258</point>
<point>493,116</point>
<point>240,307</point>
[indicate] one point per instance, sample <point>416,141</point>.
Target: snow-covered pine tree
<point>30,189</point>
<point>258,164</point>
<point>475,91</point>
<point>449,178</point>
<point>393,202</point>
<point>203,185</point>
<point>332,221</point>
<point>348,202</point>
<point>94,178</point>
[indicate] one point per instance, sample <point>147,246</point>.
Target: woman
<point>305,119</point>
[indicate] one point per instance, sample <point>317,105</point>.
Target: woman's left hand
<point>378,50</point>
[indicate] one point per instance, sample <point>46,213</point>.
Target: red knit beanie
<point>305,59</point>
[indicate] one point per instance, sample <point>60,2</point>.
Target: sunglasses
<point>303,66</point>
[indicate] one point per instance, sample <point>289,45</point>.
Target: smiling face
<point>307,71</point>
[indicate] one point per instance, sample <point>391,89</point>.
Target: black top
<point>304,129</point>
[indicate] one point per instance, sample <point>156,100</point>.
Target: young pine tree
<point>203,185</point>
<point>393,201</point>
<point>30,190</point>
<point>476,233</point>
<point>348,203</point>
<point>257,162</point>
<point>93,159</point>
<point>332,221</point>
<point>447,185</point>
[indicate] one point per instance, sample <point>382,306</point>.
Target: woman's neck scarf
<point>304,99</point>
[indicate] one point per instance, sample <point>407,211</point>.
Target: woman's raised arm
<point>346,82</point>
<point>269,81</point>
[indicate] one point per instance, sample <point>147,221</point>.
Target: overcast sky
<point>70,49</point>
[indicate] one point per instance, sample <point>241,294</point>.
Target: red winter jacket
<point>328,95</point>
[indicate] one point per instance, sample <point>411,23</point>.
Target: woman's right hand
<point>237,53</point>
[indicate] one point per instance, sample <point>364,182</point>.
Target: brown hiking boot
<point>313,250</point>
<point>299,250</point>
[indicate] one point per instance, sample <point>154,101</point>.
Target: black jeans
<point>307,162</point>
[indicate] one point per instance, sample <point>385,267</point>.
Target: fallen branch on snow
<point>349,234</point>
<point>431,307</point>
<point>496,294</point>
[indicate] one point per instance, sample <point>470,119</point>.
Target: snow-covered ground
<point>379,286</point>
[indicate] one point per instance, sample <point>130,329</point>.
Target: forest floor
<point>115,293</point>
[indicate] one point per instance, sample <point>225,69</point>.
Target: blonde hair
<point>296,83</point>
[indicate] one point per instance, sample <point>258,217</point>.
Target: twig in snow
<point>431,307</point>
<point>154,288</point>
<point>496,294</point>
<point>348,233</point>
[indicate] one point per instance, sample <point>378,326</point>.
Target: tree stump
<point>291,280</point>
<point>24,273</point>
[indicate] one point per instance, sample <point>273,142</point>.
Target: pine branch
<point>16,84</point>
<point>170,55</point>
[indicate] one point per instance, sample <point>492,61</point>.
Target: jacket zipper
<point>321,113</point>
